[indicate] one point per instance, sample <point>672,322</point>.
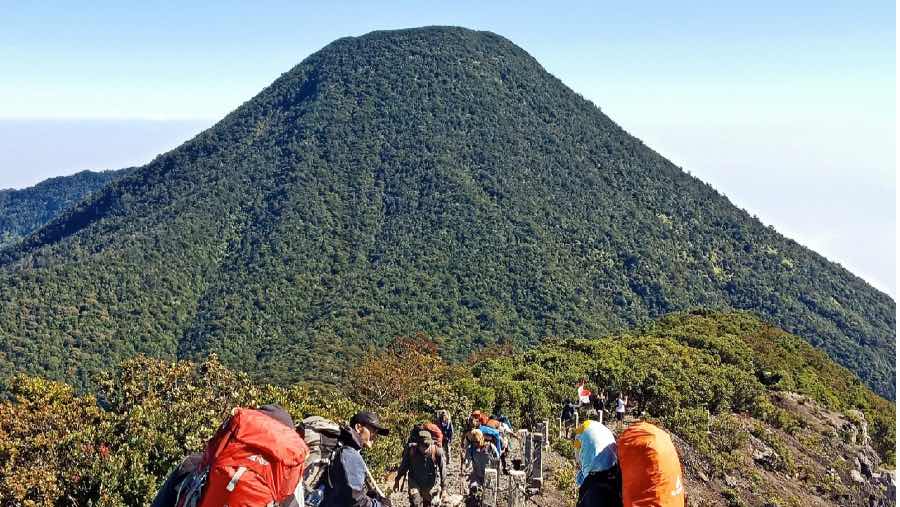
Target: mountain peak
<point>435,179</point>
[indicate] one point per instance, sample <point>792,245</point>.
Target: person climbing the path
<point>621,404</point>
<point>598,400</point>
<point>598,477</point>
<point>472,422</point>
<point>346,484</point>
<point>495,436</point>
<point>481,455</point>
<point>256,458</point>
<point>422,465</point>
<point>445,423</point>
<point>568,418</point>
<point>584,394</point>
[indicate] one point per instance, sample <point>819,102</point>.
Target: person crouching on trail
<point>346,484</point>
<point>423,465</point>
<point>598,478</point>
<point>446,426</point>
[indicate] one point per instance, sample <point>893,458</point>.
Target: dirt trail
<point>456,480</point>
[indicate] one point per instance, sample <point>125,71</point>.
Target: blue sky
<point>788,108</point>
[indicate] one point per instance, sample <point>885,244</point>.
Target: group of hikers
<point>260,457</point>
<point>427,454</point>
<point>595,407</point>
<point>642,467</point>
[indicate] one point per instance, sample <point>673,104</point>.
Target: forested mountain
<point>433,179</point>
<point>25,211</point>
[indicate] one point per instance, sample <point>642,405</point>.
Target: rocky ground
<point>548,495</point>
<point>827,461</point>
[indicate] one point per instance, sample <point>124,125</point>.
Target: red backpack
<point>255,459</point>
<point>436,434</point>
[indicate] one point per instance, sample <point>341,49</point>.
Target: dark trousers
<point>601,489</point>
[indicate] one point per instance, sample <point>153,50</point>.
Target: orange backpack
<point>254,459</point>
<point>651,469</point>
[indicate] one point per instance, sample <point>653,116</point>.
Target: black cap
<point>369,419</point>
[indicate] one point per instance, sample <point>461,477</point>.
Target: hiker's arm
<point>404,464</point>
<point>404,468</point>
<point>355,469</point>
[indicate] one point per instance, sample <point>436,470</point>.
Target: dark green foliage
<point>690,371</point>
<point>25,211</point>
<point>435,180</point>
<point>61,448</point>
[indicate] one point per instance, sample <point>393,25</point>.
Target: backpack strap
<point>334,456</point>
<point>434,453</point>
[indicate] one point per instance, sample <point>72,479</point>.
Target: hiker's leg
<point>431,497</point>
<point>447,450</point>
<point>415,497</point>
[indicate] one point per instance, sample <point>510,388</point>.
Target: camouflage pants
<point>424,496</point>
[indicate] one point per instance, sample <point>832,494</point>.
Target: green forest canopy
<point>63,448</point>
<point>435,180</point>
<point>27,210</point>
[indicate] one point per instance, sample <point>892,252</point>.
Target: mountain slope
<point>27,210</point>
<point>433,179</point>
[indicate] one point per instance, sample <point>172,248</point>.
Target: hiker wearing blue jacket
<point>446,425</point>
<point>598,472</point>
<point>346,485</point>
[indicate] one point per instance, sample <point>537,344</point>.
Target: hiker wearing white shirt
<point>621,403</point>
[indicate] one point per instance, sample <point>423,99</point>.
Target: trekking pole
<point>370,482</point>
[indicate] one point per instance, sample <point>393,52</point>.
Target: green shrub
<point>564,448</point>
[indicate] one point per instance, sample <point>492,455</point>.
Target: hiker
<point>621,403</point>
<point>598,476</point>
<point>507,425</point>
<point>423,466</point>
<point>256,458</point>
<point>481,455</point>
<point>472,422</point>
<point>446,425</point>
<point>347,485</point>
<point>584,394</point>
<point>494,436</point>
<point>567,417</point>
<point>597,402</point>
